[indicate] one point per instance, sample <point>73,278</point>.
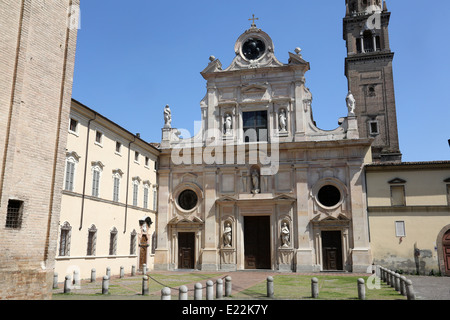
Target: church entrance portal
<point>332,250</point>
<point>257,242</point>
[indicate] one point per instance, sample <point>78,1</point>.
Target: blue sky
<point>134,57</point>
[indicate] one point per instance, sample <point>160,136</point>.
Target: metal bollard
<point>183,293</point>
<point>122,272</point>
<point>228,286</point>
<point>198,291</point>
<point>55,280</point>
<point>93,275</point>
<point>410,290</point>
<point>219,289</point>
<point>105,285</point>
<point>315,288</point>
<point>145,285</point>
<point>403,285</point>
<point>68,284</point>
<point>361,289</point>
<point>166,294</point>
<point>209,290</point>
<point>270,289</point>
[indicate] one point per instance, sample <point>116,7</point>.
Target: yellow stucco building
<point>109,197</point>
<point>409,215</point>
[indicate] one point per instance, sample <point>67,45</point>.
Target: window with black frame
<point>255,126</point>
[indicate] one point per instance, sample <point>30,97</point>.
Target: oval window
<point>187,200</point>
<point>329,196</point>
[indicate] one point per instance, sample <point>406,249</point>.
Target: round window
<point>187,200</point>
<point>329,196</point>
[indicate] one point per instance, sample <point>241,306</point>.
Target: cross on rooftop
<point>253,19</point>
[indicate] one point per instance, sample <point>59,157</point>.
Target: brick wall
<point>37,54</point>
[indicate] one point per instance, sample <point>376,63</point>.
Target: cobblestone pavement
<point>431,288</point>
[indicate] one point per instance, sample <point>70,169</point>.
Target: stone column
<point>210,256</point>
<point>305,252</point>
<point>161,261</point>
<point>361,256</point>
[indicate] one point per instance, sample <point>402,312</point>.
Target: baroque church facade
<point>261,186</point>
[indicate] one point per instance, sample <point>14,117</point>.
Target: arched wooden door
<point>446,248</point>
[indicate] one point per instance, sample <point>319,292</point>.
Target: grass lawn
<point>296,287</point>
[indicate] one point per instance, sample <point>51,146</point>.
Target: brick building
<point>37,54</point>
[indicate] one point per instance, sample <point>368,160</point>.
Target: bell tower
<point>368,68</point>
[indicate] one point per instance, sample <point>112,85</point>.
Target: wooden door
<point>332,250</point>
<point>186,250</point>
<point>446,247</point>
<point>257,242</point>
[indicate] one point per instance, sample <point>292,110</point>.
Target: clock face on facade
<point>253,49</point>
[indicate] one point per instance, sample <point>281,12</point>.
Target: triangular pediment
<point>285,197</point>
<point>397,181</point>
<point>254,88</point>
<point>226,199</point>
<point>185,220</point>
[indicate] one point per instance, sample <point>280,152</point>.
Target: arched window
<point>92,241</point>
<point>368,41</point>
<point>64,240</point>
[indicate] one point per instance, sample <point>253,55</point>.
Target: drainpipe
<point>85,171</point>
<point>128,184</point>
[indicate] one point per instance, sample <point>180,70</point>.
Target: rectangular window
<point>145,198</point>
<point>95,183</point>
<point>14,214</point>
<point>73,125</point>
<point>374,128</point>
<point>70,171</point>
<point>116,189</point>
<point>135,194</point>
<point>255,126</point>
<point>147,160</point>
<point>448,194</point>
<point>400,229</point>
<point>98,137</point>
<point>118,147</point>
<point>136,156</point>
<point>398,196</point>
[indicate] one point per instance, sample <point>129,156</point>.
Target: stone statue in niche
<point>167,117</point>
<point>227,236</point>
<point>255,182</point>
<point>282,119</point>
<point>285,235</point>
<point>351,104</point>
<point>228,124</point>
